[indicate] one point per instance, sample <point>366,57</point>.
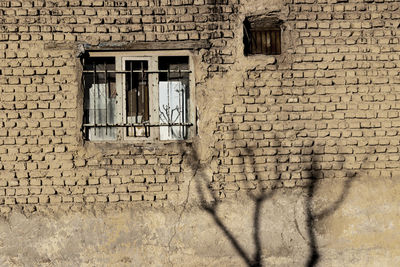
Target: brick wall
<point>327,108</point>
<point>327,104</point>
<point>43,157</point>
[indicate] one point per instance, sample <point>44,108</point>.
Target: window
<point>138,96</point>
<point>262,36</point>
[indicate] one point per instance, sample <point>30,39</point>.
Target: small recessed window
<point>262,36</point>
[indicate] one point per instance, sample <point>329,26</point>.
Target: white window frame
<point>121,109</point>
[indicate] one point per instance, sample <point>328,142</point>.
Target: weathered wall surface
<point>302,149</point>
<point>362,231</point>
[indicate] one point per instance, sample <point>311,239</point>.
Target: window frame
<point>153,67</point>
<point>264,28</point>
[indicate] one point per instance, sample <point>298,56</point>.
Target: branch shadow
<point>205,188</point>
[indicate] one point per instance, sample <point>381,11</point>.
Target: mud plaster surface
<point>363,230</point>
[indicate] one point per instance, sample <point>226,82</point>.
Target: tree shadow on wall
<point>205,188</point>
<point>312,216</point>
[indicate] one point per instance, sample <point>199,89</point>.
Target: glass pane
<point>173,97</point>
<point>100,98</point>
<point>137,96</point>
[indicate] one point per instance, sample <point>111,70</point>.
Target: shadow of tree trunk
<point>314,255</point>
<point>313,217</point>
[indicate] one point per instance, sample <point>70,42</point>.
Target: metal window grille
<point>267,42</point>
<point>101,83</point>
<point>262,37</point>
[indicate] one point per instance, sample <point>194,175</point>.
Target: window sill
<point>138,143</point>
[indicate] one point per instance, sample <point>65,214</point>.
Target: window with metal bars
<point>262,36</point>
<point>137,96</point>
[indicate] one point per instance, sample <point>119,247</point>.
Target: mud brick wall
<point>43,157</point>
<point>327,106</point>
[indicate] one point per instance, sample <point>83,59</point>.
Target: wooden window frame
<point>153,83</point>
<point>262,37</point>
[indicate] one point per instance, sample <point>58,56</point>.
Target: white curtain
<point>172,104</point>
<point>101,111</point>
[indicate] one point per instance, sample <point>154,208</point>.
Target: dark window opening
<point>262,36</point>
<point>137,96</point>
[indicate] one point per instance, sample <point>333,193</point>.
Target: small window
<point>262,36</point>
<point>138,96</point>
